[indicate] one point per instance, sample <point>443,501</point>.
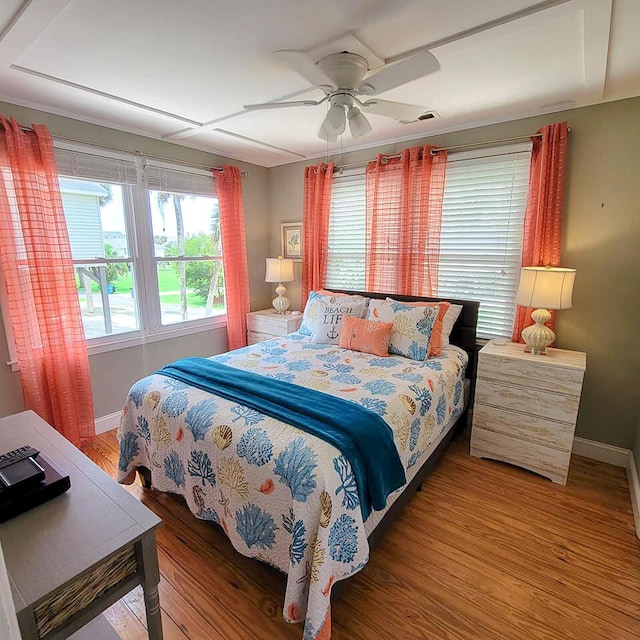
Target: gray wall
<point>601,239</point>
<point>112,373</point>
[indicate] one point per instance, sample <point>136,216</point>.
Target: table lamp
<point>280,270</point>
<point>546,288</point>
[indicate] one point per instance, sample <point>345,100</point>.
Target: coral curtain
<point>234,254</point>
<point>318,181</point>
<point>543,215</point>
<point>403,221</point>
<point>42,295</point>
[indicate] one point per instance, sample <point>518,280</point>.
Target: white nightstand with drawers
<point>526,407</point>
<point>267,324</point>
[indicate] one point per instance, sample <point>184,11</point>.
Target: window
<point>481,238</point>
<point>97,227</point>
<point>145,240</point>
<point>485,196</point>
<point>347,246</point>
<point>187,226</point>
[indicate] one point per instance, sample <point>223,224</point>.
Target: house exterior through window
<point>145,242</point>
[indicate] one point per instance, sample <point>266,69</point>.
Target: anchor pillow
<point>328,322</point>
<point>316,298</point>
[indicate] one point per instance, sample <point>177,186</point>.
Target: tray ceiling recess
<point>183,72</point>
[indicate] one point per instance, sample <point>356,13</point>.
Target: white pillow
<point>453,312</point>
<point>312,308</point>
<point>412,326</point>
<point>327,326</point>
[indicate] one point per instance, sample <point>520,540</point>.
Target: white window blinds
<point>105,167</point>
<point>485,197</point>
<point>193,182</point>
<point>115,168</point>
<point>346,259</point>
<point>481,237</point>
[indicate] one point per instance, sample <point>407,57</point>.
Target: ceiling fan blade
<point>391,109</point>
<point>300,62</point>
<point>391,76</point>
<point>282,105</point>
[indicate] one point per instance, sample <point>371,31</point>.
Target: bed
<point>282,495</point>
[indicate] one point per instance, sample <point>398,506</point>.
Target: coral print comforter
<point>282,495</point>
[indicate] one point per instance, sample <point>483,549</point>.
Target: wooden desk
<point>72,557</point>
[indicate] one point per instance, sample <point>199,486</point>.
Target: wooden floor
<point>485,551</point>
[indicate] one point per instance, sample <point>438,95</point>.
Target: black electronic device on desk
<point>27,479</point>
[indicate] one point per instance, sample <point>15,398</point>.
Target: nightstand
<point>526,407</point>
<point>267,324</point>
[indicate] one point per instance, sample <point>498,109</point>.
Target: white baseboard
<point>601,451</point>
<point>108,422</point>
<point>620,458</point>
<point>634,490</point>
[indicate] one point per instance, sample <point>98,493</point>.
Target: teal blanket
<point>361,435</point>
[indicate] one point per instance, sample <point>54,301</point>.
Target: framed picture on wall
<point>291,239</point>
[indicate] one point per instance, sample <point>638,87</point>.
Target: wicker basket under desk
<point>76,596</point>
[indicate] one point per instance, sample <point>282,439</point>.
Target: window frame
<point>141,255</point>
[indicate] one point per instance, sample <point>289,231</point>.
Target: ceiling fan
<point>343,78</point>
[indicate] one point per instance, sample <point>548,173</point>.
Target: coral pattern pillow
<point>314,302</point>
<point>435,344</point>
<point>412,326</point>
<point>328,324</point>
<point>364,335</point>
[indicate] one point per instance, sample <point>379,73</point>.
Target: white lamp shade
<point>336,121</point>
<point>325,134</point>
<point>546,287</point>
<point>279,270</point>
<point>358,124</point>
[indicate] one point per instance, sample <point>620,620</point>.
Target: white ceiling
<point>182,71</point>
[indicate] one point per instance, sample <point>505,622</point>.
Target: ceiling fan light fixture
<point>345,76</point>
<point>324,133</point>
<point>358,123</point>
<point>335,122</point>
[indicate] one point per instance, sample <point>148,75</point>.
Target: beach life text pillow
<point>312,308</point>
<point>327,326</point>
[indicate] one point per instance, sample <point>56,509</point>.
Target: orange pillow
<point>335,294</point>
<point>365,335</point>
<point>435,344</point>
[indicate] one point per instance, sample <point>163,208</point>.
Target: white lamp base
<point>281,303</point>
<point>538,336</point>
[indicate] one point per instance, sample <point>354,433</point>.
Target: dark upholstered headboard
<point>464,331</point>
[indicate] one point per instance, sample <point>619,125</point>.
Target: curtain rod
<point>195,165</point>
<point>25,129</point>
<point>386,159</point>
